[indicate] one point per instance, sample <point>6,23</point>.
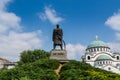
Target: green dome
<point>103,57</point>
<point>97,43</point>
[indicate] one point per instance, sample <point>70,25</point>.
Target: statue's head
<point>57,26</point>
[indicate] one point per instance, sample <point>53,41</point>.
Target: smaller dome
<point>103,57</point>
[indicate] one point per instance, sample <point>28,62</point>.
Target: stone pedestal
<point>60,55</point>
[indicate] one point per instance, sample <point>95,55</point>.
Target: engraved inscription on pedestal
<point>58,54</point>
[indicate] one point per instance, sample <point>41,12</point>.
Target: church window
<point>106,62</point>
<point>100,62</point>
<point>118,58</point>
<point>97,49</point>
<point>94,49</point>
<point>91,50</point>
<point>109,68</point>
<point>88,57</point>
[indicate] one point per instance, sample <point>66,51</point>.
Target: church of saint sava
<point>98,54</point>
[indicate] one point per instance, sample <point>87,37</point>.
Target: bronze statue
<point>57,37</point>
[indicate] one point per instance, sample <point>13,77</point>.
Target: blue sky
<point>28,24</point>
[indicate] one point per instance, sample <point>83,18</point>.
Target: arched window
<point>94,49</point>
<point>106,62</point>
<point>91,50</point>
<point>97,49</point>
<point>109,68</point>
<point>88,57</point>
<point>118,57</point>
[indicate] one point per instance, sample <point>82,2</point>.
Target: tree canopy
<point>39,70</point>
<point>31,56</point>
<point>36,65</point>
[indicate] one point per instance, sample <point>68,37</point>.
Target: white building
<point>4,63</point>
<point>98,54</point>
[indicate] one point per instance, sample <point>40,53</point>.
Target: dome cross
<point>96,37</point>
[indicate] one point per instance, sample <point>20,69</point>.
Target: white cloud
<point>75,51</point>
<point>117,36</point>
<point>51,15</point>
<point>12,39</point>
<point>114,21</point>
<point>9,21</point>
<point>3,4</point>
<point>115,47</point>
<point>12,44</point>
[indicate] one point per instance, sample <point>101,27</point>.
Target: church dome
<point>97,43</point>
<point>103,57</point>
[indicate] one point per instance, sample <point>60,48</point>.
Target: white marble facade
<point>98,54</point>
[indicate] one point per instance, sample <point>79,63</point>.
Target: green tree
<point>31,56</point>
<point>39,70</point>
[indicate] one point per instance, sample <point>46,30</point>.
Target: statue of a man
<point>57,37</point>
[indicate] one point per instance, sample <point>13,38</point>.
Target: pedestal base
<point>58,54</point>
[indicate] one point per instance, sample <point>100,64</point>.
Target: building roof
<point>97,43</point>
<point>103,57</point>
<point>3,60</point>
